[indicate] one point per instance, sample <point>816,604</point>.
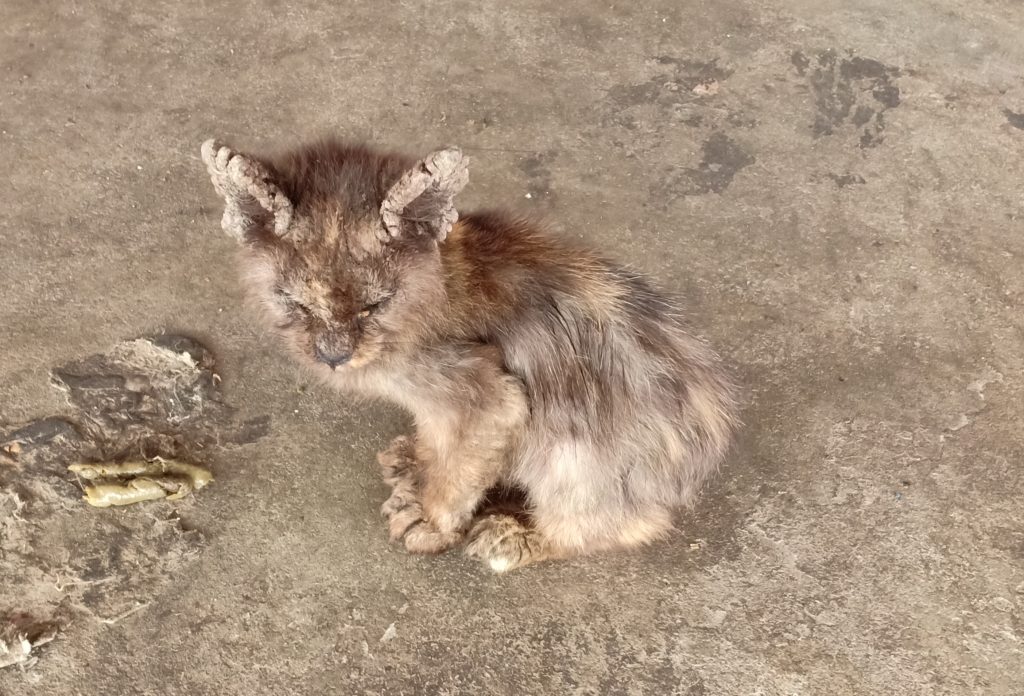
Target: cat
<point>527,362</point>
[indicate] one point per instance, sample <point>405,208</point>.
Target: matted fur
<point>527,362</point>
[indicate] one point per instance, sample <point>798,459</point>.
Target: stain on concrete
<point>844,180</point>
<point>721,159</point>
<point>738,119</point>
<point>800,62</point>
<point>585,30</point>
<point>849,90</point>
<point>536,169</point>
<point>674,84</point>
<point>1014,119</point>
<point>678,91</point>
<point>153,396</point>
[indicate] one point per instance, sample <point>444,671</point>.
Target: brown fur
<point>527,363</point>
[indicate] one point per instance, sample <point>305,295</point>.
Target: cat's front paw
<point>407,524</point>
<point>398,461</point>
<point>396,502</point>
<point>424,537</point>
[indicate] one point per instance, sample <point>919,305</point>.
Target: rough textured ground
<point>835,186</point>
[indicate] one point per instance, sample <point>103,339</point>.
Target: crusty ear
<point>422,202</point>
<point>251,198</point>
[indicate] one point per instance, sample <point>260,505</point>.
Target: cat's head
<point>340,243</point>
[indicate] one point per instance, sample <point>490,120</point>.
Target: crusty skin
<point>527,362</point>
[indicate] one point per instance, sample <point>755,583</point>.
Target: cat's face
<point>340,298</point>
<point>340,247</point>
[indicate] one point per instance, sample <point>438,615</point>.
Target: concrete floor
<point>835,186</point>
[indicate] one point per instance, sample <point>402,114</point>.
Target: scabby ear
<point>251,198</point>
<point>422,202</point>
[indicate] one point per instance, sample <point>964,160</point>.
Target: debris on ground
<point>708,88</point>
<point>17,642</point>
<point>138,420</point>
<point>126,483</point>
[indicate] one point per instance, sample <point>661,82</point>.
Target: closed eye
<point>369,309</point>
<point>291,303</point>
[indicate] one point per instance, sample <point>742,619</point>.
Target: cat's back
<point>509,265</point>
<point>567,319</point>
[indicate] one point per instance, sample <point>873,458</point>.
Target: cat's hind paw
<point>504,543</point>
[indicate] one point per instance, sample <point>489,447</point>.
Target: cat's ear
<point>252,201</point>
<point>422,202</point>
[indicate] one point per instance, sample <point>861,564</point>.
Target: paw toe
<point>404,520</point>
<point>395,503</point>
<point>425,538</point>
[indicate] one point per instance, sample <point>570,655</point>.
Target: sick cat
<point>527,363</point>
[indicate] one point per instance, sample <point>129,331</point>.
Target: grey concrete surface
<point>834,186</point>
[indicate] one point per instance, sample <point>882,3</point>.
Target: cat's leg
<point>398,467</point>
<point>398,461</point>
<point>403,508</point>
<point>460,451</point>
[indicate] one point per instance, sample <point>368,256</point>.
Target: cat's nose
<point>333,359</point>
